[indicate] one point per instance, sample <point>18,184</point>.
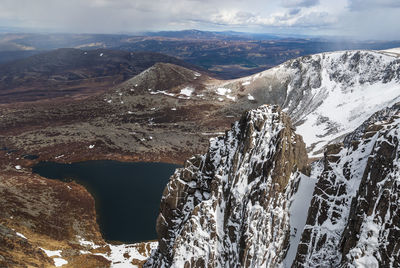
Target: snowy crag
<point>353,220</point>
<point>213,209</point>
<point>253,201</point>
<point>328,95</point>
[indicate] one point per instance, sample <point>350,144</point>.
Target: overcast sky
<point>366,19</point>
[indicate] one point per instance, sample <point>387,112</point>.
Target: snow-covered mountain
<point>253,201</point>
<point>213,208</point>
<point>327,95</point>
<point>333,93</point>
<point>353,218</point>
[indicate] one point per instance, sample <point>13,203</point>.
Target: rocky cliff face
<point>213,209</point>
<point>246,202</point>
<point>331,94</point>
<point>353,217</point>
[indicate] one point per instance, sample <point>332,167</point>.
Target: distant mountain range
<point>73,72</point>
<point>227,35</point>
<point>227,54</point>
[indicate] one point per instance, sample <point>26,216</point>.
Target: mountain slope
<point>243,204</point>
<point>353,217</point>
<point>327,95</point>
<point>221,199</point>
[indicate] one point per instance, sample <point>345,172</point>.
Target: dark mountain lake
<point>127,195</point>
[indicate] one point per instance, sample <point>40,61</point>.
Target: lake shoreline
<point>124,191</point>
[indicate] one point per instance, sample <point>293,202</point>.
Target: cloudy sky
<point>365,19</point>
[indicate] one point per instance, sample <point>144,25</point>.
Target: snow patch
<point>300,202</point>
<point>162,92</point>
<point>86,243</point>
<point>59,262</point>
<point>187,91</point>
<point>231,98</point>
<point>52,253</point>
<point>345,109</point>
<point>392,50</point>
<point>21,235</point>
<point>117,252</point>
<point>213,133</point>
<point>223,91</point>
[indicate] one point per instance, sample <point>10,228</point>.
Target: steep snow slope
<point>353,85</point>
<point>353,220</point>
<point>231,206</point>
<point>298,213</point>
<point>393,51</point>
<point>246,204</point>
<point>328,95</point>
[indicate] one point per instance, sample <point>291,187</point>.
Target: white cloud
<point>357,5</point>
<point>299,3</point>
<point>338,17</point>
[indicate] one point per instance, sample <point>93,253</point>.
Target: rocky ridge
<point>327,95</point>
<point>353,217</point>
<point>239,204</point>
<point>212,209</point>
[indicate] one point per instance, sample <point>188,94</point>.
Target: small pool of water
<point>30,156</point>
<point>127,195</point>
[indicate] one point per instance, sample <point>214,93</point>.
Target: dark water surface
<point>127,195</point>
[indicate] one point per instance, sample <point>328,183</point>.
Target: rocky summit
<point>254,201</point>
<point>230,207</point>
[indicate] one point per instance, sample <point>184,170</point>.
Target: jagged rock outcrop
<point>239,204</point>
<point>353,220</point>
<point>230,207</point>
